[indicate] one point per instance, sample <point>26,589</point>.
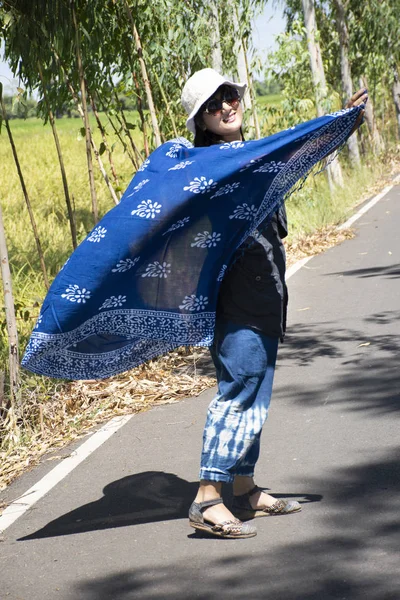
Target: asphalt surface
<point>116,528</point>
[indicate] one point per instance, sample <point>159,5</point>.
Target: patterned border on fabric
<point>44,352</point>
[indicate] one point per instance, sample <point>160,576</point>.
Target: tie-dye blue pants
<point>245,363</point>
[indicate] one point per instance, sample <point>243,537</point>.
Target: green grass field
<point>271,99</point>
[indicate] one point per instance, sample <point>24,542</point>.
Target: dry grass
<point>74,408</point>
<point>315,243</point>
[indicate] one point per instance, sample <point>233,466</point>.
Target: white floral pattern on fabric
<point>338,113</point>
<point>182,141</point>
<point>173,151</point>
<point>194,303</point>
<point>235,145</point>
<point>178,225</point>
<point>138,187</point>
<point>147,209</point>
<point>206,240</point>
<point>244,211</point>
<point>251,163</point>
<point>144,165</point>
<point>226,189</point>
<point>97,234</point>
<point>75,294</point>
<point>125,264</point>
<point>113,302</point>
<point>270,167</point>
<point>181,165</point>
<point>200,185</point>
<point>222,272</point>
<point>157,269</point>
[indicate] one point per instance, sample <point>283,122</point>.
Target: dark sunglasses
<point>228,94</point>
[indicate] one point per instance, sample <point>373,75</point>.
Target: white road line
<point>37,491</point>
<point>20,506</point>
<point>297,266</point>
<point>300,263</point>
<point>366,208</point>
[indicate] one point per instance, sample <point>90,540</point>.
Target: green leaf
<point>102,148</point>
<point>130,126</point>
<point>82,131</point>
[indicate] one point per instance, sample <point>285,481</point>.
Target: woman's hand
<point>358,98</point>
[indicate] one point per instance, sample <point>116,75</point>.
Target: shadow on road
<point>369,376</point>
<point>339,559</point>
<point>390,272</point>
<point>142,498</point>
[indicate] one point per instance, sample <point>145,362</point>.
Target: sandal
<point>242,508</point>
<point>227,529</point>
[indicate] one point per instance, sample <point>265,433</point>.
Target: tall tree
<point>25,191</point>
<point>10,315</point>
<point>88,133</point>
<point>145,77</point>
<point>347,84</point>
<point>318,75</point>
<point>216,50</point>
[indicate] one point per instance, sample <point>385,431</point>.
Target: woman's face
<point>227,121</point>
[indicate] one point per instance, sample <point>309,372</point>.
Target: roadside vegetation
<point>109,110</point>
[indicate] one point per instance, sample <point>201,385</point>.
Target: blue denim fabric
<point>245,363</point>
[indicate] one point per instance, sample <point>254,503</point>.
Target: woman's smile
<point>230,118</point>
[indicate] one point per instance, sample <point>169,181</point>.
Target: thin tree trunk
<point>251,92</point>
<point>168,111</point>
<point>10,315</point>
<point>88,136</point>
<point>347,83</point>
<point>106,146</point>
<point>141,114</point>
<point>241,58</point>
<point>124,124</point>
<point>216,52</point>
<point>71,216</point>
<point>91,142</point>
<point>79,108</point>
<point>26,196</point>
<point>138,96</point>
<point>243,73</point>
<point>396,94</point>
<point>121,139</point>
<point>3,401</point>
<point>314,51</point>
<point>369,116</point>
<point>145,78</point>
<point>334,170</point>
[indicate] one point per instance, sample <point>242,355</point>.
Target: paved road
<point>116,527</point>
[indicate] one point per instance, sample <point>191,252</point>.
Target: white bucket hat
<point>199,87</point>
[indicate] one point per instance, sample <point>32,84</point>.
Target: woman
<point>251,319</point>
<point>145,280</point>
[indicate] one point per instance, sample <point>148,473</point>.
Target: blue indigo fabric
<point>146,278</point>
<point>245,364</point>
